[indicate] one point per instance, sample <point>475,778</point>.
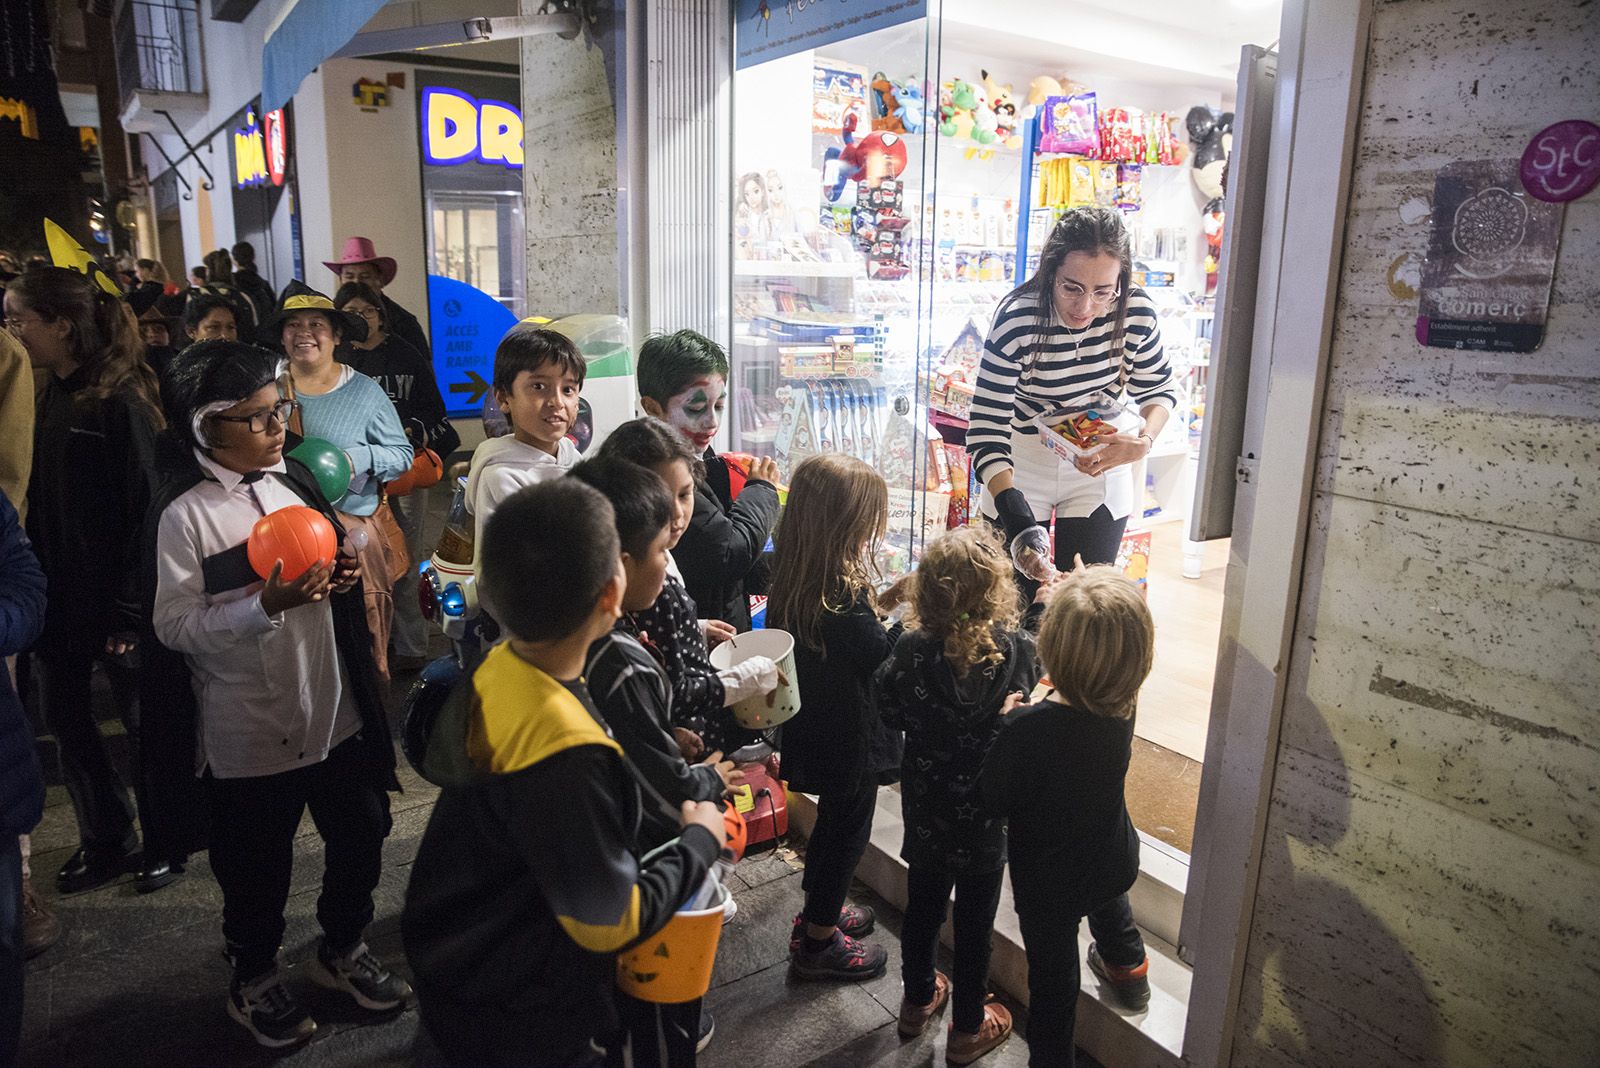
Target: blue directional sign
<point>466,325</point>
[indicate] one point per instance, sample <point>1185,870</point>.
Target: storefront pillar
<point>573,204</point>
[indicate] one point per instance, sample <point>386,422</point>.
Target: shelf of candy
<point>830,415</point>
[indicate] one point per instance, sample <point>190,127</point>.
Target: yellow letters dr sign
<point>458,128</point>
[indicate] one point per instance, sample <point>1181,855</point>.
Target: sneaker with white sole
<point>266,1009</point>
<point>362,976</point>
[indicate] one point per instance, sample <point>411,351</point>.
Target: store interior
<point>866,271</point>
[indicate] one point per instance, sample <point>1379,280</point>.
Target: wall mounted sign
<point>1562,162</point>
<point>260,151</point>
<point>1491,261</point>
<point>771,29</point>
<point>466,325</point>
<point>459,128</point>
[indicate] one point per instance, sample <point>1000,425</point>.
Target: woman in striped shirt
<point>1077,326</point>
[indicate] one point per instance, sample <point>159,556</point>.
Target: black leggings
<point>1096,537</point>
<point>838,839</point>
<point>927,901</point>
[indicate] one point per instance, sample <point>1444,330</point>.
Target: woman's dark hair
<point>642,504</point>
<point>203,304</point>
<point>105,335</point>
<point>669,362</point>
<point>648,441</point>
<point>1091,230</point>
<point>527,348</point>
<point>361,291</point>
<point>548,553</point>
<point>198,272</point>
<point>219,267</point>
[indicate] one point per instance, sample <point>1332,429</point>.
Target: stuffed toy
<point>875,157</point>
<point>958,105</point>
<point>1004,106</point>
<point>984,120</point>
<point>885,105</point>
<point>912,105</point>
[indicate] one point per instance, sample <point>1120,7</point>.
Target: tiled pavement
<point>139,979</point>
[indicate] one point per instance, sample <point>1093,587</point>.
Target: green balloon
<point>328,463</point>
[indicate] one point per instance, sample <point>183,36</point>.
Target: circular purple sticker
<point>1562,162</point>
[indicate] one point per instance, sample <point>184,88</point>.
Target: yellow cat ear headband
<point>66,252</point>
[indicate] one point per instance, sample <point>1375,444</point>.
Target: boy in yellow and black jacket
<point>529,878</point>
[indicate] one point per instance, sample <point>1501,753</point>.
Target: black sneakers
<point>362,976</point>
<point>1132,985</point>
<point>269,1012</point>
<point>841,958</point>
<point>708,1028</point>
<point>857,921</point>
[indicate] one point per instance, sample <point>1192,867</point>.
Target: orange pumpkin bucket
<point>674,965</point>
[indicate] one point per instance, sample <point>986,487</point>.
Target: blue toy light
<point>453,600</point>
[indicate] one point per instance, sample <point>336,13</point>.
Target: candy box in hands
<point>1067,431</point>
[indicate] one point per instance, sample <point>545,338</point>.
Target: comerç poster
<point>1491,261</point>
<point>771,29</point>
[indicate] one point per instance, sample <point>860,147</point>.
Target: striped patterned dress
<point>1014,385</point>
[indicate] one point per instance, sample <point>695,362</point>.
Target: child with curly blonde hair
<point>965,662</point>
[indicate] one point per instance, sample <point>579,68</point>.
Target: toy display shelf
<point>796,269</point>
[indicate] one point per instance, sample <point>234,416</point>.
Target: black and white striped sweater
<point>1013,387</point>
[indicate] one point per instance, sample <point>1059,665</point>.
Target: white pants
<point>1055,487</point>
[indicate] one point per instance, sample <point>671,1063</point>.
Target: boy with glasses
<point>284,691</point>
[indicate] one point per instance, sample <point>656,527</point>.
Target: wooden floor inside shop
<point>1170,734</point>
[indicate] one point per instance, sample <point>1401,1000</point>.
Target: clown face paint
<point>696,413</point>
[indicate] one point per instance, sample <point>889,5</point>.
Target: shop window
<point>892,188</point>
<point>473,239</point>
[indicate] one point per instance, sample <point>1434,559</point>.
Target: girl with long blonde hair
<point>964,664</point>
<point>823,582</point>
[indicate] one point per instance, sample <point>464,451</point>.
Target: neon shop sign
<point>460,128</point>
<point>260,151</point>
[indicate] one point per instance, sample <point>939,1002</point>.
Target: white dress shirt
<point>272,693</point>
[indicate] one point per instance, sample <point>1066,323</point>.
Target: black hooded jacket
<point>176,797</point>
<point>722,553</point>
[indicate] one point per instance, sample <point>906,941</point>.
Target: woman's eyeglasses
<point>1100,297</point>
<point>260,421</point>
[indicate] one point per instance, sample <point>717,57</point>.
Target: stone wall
<point>1430,886</point>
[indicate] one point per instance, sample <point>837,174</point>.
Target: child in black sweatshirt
<point>532,874</point>
<point>1056,773</point>
<point>964,664</point>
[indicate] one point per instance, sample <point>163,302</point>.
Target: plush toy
<point>912,105</point>
<point>1004,106</point>
<point>958,104</point>
<point>885,106</point>
<point>1043,88</point>
<point>984,121</point>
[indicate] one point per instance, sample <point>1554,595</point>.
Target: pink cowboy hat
<point>361,250</point>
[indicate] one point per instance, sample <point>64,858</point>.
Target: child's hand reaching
<point>1013,702</point>
<point>689,743</point>
<point>280,596</point>
<point>703,814</point>
<point>731,775</point>
<point>764,469</point>
<point>716,632</point>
